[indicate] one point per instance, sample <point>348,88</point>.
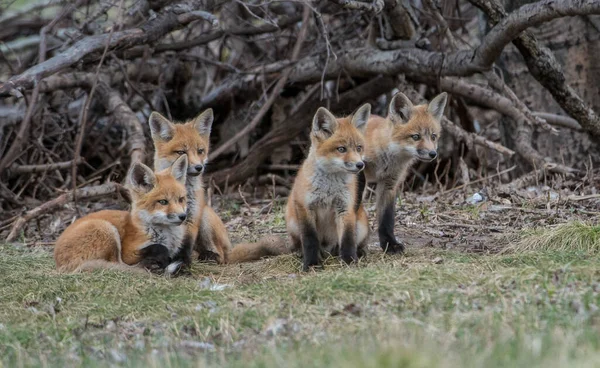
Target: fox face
<point>339,144</point>
<point>159,198</point>
<point>417,128</point>
<point>172,141</point>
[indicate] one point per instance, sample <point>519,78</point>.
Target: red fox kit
<point>394,144</point>
<point>324,211</point>
<point>205,231</point>
<point>115,239</point>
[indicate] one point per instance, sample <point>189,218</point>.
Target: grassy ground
<point>440,305</point>
<point>512,281</point>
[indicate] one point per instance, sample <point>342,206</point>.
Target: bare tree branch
<point>542,64</point>
<point>276,90</point>
<point>168,20</point>
<point>83,193</point>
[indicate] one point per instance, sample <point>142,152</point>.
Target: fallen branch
<point>15,170</point>
<point>542,64</point>
<point>471,138</point>
<point>83,193</point>
<point>167,21</point>
<point>375,6</point>
<point>559,120</point>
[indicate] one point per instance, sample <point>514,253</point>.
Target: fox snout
<point>354,166</point>
<point>177,218</point>
<point>426,154</point>
<point>195,170</point>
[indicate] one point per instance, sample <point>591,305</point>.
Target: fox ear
<point>204,121</point>
<point>160,127</point>
<point>179,169</point>
<point>324,123</point>
<point>361,116</point>
<point>437,105</point>
<point>400,108</point>
<point>141,177</point>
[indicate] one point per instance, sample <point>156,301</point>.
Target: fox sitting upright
<point>205,231</point>
<point>148,235</point>
<point>394,144</point>
<point>323,210</point>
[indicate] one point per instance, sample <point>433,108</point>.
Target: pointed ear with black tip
<point>141,178</point>
<point>179,169</point>
<point>437,105</point>
<point>400,109</point>
<point>203,122</point>
<point>324,123</point>
<point>160,127</point>
<point>361,116</point>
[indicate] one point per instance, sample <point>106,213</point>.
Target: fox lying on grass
<point>323,210</point>
<point>408,134</point>
<point>148,236</point>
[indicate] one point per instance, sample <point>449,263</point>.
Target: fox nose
<point>432,154</point>
<point>199,168</point>
<point>360,165</point>
<point>182,216</point>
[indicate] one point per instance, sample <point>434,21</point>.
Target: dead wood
<point>83,193</point>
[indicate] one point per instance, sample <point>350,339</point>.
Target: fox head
<point>338,144</point>
<point>159,198</point>
<point>416,129</point>
<point>172,141</point>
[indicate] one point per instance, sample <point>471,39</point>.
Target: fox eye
<point>358,148</point>
<point>163,202</point>
<point>433,137</point>
<point>200,151</point>
<point>180,152</point>
<point>341,149</point>
<point>181,199</point>
<point>416,137</point>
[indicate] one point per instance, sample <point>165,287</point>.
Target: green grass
<point>515,309</point>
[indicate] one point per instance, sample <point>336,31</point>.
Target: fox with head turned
<point>323,211</point>
<point>147,236</point>
<point>205,233</point>
<point>408,134</point>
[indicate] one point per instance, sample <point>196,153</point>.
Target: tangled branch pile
<point>80,79</point>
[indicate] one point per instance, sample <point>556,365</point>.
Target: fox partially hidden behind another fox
<point>120,239</point>
<point>205,233</point>
<point>408,133</point>
<point>323,211</point>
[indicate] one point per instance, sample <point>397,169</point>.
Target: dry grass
<point>570,237</point>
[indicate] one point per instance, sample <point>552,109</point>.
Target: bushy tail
<point>100,264</point>
<point>268,246</point>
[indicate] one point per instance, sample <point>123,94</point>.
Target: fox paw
<point>315,267</point>
<point>350,258</point>
<point>392,247</point>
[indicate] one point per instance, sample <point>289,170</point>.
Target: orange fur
<point>409,133</point>
<point>323,210</point>
<point>204,227</point>
<point>105,238</point>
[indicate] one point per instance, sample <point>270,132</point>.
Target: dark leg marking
<point>155,258</point>
<point>360,186</point>
<point>184,255</point>
<point>387,240</point>
<point>348,248</point>
<point>310,247</point>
